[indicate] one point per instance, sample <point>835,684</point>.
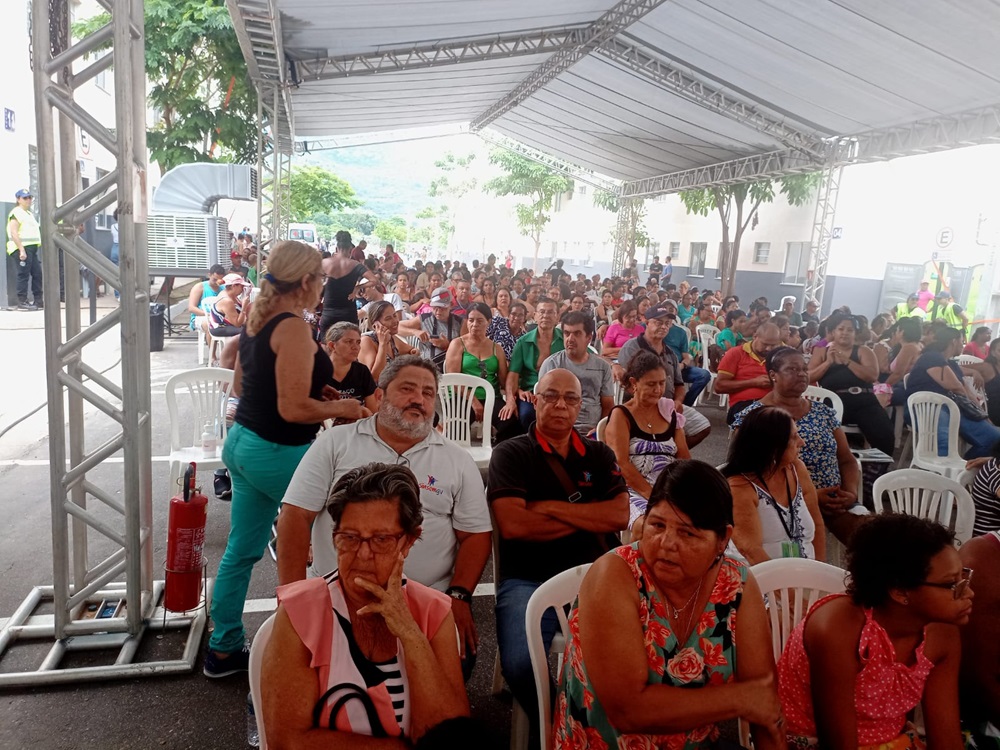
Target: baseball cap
<point>943,295</point>
<point>812,303</point>
<point>23,193</point>
<point>234,278</point>
<point>913,297</point>
<point>441,297</point>
<point>662,310</point>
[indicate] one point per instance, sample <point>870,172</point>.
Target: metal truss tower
<point>822,231</point>
<point>62,206</point>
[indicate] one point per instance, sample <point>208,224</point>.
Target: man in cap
<point>24,237</point>
<point>811,314</point>
<point>909,309</point>
<point>441,326</point>
<point>947,310</point>
<point>788,310</point>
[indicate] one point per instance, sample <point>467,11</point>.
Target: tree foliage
<point>436,223</point>
<point>737,205</point>
<point>205,104</point>
<point>534,181</point>
<point>318,191</point>
<point>392,230</point>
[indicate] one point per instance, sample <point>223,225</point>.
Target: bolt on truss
<point>496,47</point>
<point>822,231</point>
<point>62,206</point>
<point>683,84</point>
<point>554,163</point>
<point>603,30</point>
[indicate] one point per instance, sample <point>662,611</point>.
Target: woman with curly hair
<point>651,658</point>
<point>859,662</point>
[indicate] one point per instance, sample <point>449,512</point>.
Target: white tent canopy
<point>658,95</point>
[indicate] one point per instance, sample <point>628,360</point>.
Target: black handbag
<point>967,407</point>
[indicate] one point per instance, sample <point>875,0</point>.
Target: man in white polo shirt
<point>455,539</point>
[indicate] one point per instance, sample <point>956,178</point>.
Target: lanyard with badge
<point>792,546</point>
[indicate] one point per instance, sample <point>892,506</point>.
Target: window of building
<point>761,252</point>
<point>796,263</point>
<point>103,220</point>
<point>697,265</point>
<point>675,250</point>
<point>581,189</point>
<point>652,250</point>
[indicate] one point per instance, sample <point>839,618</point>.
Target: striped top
<point>395,685</point>
<point>985,489</point>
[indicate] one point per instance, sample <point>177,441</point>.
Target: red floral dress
<point>708,658</point>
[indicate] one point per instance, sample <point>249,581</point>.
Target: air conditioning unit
<point>186,244</point>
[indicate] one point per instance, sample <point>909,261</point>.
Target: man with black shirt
<point>559,501</point>
<point>655,269</point>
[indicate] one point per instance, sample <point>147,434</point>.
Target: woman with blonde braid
<point>282,378</point>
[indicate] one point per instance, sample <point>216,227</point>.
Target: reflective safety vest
<point>948,315</point>
<point>28,229</point>
<point>903,311</point>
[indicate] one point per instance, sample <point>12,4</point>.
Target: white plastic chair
<point>618,391</point>
<point>208,389</point>
<point>964,360</point>
<point>828,397</point>
<point>925,412</point>
<point>791,586</point>
<point>602,427</point>
<point>455,394</point>
<point>413,341</point>
<point>556,593</point>
<point>706,338</point>
<point>257,647</point>
<point>927,495</point>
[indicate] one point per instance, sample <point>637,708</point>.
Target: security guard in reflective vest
<point>25,238</point>
<point>909,309</point>
<point>946,310</point>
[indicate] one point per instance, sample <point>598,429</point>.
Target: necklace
<point>677,611</point>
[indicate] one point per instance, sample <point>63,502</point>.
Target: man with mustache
<point>455,539</point>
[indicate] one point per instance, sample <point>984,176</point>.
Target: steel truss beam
<point>258,28</point>
<point>603,30</point>
<point>686,85</point>
<point>555,164</point>
<point>69,378</point>
<point>970,128</point>
<point>497,47</point>
<point>822,231</point>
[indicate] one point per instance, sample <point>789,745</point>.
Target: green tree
<point>317,190</point>
<point>393,231</point>
<point>737,205</point>
<point>539,184</point>
<point>637,235</point>
<point>205,103</point>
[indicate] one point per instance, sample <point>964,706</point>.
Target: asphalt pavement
<point>177,712</point>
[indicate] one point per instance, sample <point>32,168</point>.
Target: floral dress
<point>707,658</point>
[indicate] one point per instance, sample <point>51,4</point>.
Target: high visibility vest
<point>903,311</point>
<point>28,229</point>
<point>948,315</point>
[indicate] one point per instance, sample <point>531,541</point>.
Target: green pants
<point>261,471</point>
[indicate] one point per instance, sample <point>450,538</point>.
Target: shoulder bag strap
<point>568,485</point>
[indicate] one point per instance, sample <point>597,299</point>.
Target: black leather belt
<point>855,390</point>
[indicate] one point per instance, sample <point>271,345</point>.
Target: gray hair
<point>393,368</point>
<point>377,481</point>
<point>338,330</point>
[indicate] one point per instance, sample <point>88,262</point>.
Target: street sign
<point>8,120</point>
<point>944,237</point>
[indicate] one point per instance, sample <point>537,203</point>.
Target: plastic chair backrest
<point>926,494</point>
<point>828,397</point>
<point>925,413</point>
<point>967,359</point>
<point>706,337</point>
<point>413,341</point>
<point>618,391</point>
<point>602,427</point>
<point>257,647</point>
<point>208,388</point>
<point>556,593</point>
<point>791,586</point>
<point>455,393</point>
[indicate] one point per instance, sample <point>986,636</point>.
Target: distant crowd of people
<point>385,526</point>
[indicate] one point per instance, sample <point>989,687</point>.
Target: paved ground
<point>174,712</point>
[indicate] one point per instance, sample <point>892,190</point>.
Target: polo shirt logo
<point>429,485</point>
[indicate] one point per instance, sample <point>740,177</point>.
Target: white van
<point>303,233</point>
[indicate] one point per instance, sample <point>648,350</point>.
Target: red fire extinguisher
<point>185,542</point>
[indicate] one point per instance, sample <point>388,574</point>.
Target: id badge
<point>790,549</point>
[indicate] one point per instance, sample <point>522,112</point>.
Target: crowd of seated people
<point>385,527</point>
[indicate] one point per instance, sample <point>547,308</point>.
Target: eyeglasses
<point>958,588</point>
<point>570,399</point>
<point>379,544</point>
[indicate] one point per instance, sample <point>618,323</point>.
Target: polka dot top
<point>884,691</point>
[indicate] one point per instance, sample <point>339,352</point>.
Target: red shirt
<point>743,364</point>
<point>975,350</point>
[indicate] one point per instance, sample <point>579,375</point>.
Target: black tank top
<point>840,377</point>
<point>258,407</point>
<point>336,305</point>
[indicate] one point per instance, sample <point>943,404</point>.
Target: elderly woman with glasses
<point>859,662</point>
<point>363,652</point>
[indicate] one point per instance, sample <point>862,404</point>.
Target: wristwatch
<point>460,593</point>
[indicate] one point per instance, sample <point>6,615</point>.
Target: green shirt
<point>524,358</point>
<point>727,339</point>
